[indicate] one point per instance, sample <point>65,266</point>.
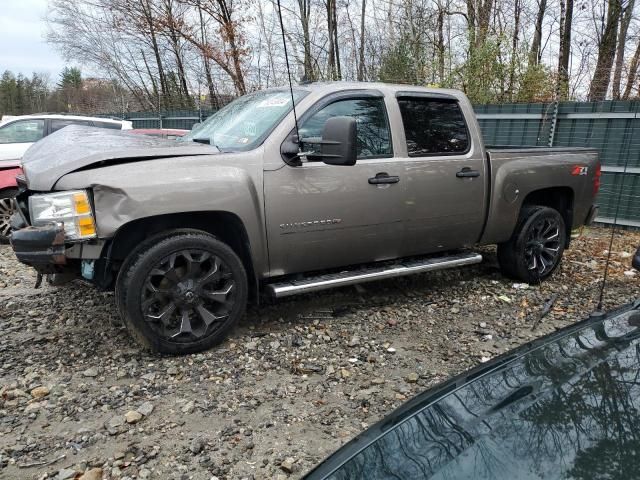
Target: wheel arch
<point>559,198</point>
<point>225,226</point>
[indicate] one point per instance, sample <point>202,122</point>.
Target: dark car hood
<point>76,147</point>
<point>565,406</point>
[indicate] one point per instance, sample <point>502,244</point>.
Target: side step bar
<point>341,279</point>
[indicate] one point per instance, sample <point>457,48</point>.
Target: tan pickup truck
<point>378,181</point>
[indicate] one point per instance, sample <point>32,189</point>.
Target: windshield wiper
<point>206,141</point>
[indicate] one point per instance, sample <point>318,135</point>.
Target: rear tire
<point>535,249</point>
<point>182,294</point>
<point>8,207</point>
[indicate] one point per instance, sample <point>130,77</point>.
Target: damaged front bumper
<point>42,247</point>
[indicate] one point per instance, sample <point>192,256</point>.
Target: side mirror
<point>195,126</point>
<point>338,143</point>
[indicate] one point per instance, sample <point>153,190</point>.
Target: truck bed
<point>569,172</point>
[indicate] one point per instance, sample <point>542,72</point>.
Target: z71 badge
<point>579,170</point>
<point>311,223</point>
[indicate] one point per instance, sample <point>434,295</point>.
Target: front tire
<point>535,249</point>
<point>182,294</point>
<point>8,207</point>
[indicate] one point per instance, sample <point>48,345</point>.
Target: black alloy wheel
<point>542,248</point>
<point>8,207</point>
<point>188,295</point>
<point>536,246</point>
<point>182,293</point>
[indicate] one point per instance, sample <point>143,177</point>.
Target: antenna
<point>286,56</point>
<point>613,232</point>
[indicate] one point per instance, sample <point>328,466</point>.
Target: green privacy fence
<point>611,127</point>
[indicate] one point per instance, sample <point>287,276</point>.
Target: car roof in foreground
<point>562,406</point>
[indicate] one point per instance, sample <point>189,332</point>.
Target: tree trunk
<point>535,53</point>
<point>174,39</point>
<point>606,53</point>
<point>440,43</point>
<point>336,46</point>
<point>479,19</point>
<point>566,21</point>
<point>361,47</point>
<point>213,97</point>
<point>164,93</point>
<point>633,72</point>
<point>230,31</point>
<point>622,39</point>
<point>332,58</point>
<point>514,48</point>
<point>305,14</point>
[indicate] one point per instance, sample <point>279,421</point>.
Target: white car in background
<point>18,133</point>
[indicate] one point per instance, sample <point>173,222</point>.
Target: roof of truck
<point>386,87</point>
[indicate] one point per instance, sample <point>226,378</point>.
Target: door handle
<point>466,172</point>
<point>382,178</point>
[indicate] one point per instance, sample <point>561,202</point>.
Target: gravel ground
<point>297,379</point>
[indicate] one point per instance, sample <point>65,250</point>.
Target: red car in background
<point>170,133</point>
<point>9,169</point>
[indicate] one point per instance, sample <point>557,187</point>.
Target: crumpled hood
<point>76,147</point>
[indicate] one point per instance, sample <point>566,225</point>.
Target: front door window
<point>22,131</point>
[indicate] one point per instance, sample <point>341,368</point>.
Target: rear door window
<point>433,126</point>
<point>57,124</point>
<point>22,131</point>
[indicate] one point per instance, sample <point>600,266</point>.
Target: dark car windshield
<point>245,123</point>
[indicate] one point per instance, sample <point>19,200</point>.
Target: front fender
<point>128,192</point>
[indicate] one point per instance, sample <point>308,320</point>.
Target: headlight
<point>71,208</point>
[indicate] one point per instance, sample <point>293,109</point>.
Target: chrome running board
<point>369,274</point>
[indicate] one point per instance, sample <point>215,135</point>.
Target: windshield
<point>245,122</point>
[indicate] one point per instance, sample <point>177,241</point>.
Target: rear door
<point>320,216</point>
<point>444,174</point>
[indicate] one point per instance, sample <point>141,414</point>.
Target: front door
<point>445,176</point>
<point>16,137</point>
<point>320,216</point>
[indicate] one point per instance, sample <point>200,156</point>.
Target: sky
<point>23,48</point>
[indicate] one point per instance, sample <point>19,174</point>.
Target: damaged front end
<point>42,247</point>
<point>55,234</point>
